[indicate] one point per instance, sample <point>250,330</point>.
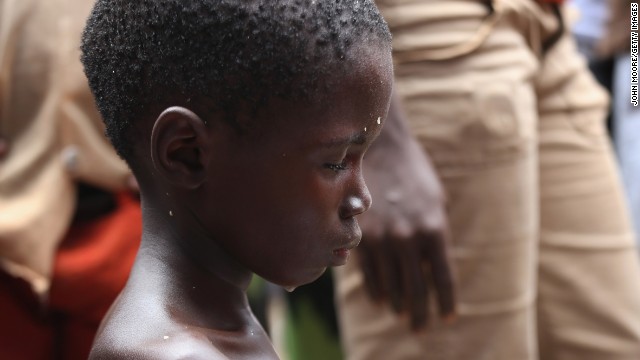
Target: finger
<point>441,274</point>
<point>388,258</point>
<point>415,286</point>
<point>4,147</point>
<point>370,272</point>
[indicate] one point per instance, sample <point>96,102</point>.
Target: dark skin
<point>4,147</point>
<point>403,254</point>
<point>219,206</point>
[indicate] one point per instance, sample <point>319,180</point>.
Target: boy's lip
<point>351,245</point>
<point>341,255</point>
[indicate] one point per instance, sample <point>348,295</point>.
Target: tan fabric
<point>542,246</point>
<point>53,129</point>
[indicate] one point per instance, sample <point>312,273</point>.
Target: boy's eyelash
<point>336,167</point>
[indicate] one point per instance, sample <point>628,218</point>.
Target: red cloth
<point>91,267</point>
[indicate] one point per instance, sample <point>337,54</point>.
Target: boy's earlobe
<point>179,147</point>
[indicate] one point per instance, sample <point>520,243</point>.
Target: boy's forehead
<point>360,93</point>
<point>369,66</point>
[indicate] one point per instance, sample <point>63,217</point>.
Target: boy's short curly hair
<point>145,55</point>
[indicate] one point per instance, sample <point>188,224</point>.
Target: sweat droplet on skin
<point>170,213</point>
<point>365,129</point>
<point>378,121</point>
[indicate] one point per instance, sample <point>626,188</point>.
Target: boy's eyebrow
<point>355,139</point>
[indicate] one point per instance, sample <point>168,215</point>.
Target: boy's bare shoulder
<point>135,329</point>
<point>185,346</point>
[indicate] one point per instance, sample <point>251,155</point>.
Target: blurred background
<point>69,210</point>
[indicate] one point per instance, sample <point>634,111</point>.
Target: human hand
<point>403,253</point>
<point>4,147</point>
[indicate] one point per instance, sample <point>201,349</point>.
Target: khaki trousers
<point>542,247</point>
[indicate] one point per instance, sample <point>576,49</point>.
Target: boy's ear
<point>180,147</point>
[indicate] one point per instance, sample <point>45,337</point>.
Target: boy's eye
<point>336,167</point>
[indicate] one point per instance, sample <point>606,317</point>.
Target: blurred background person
<point>603,33</point>
<point>616,44</point>
<point>588,21</point>
<point>69,223</point>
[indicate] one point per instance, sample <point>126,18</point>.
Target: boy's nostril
<point>353,206</point>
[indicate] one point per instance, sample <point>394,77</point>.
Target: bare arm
<point>405,233</point>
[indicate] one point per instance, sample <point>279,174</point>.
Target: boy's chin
<point>295,283</point>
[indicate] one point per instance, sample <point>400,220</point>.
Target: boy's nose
<point>355,204</point>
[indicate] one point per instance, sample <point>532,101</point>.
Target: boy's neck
<point>179,230</point>
<point>194,269</point>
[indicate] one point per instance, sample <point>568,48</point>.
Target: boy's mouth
<point>341,255</point>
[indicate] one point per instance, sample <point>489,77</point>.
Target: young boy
<point>245,123</point>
